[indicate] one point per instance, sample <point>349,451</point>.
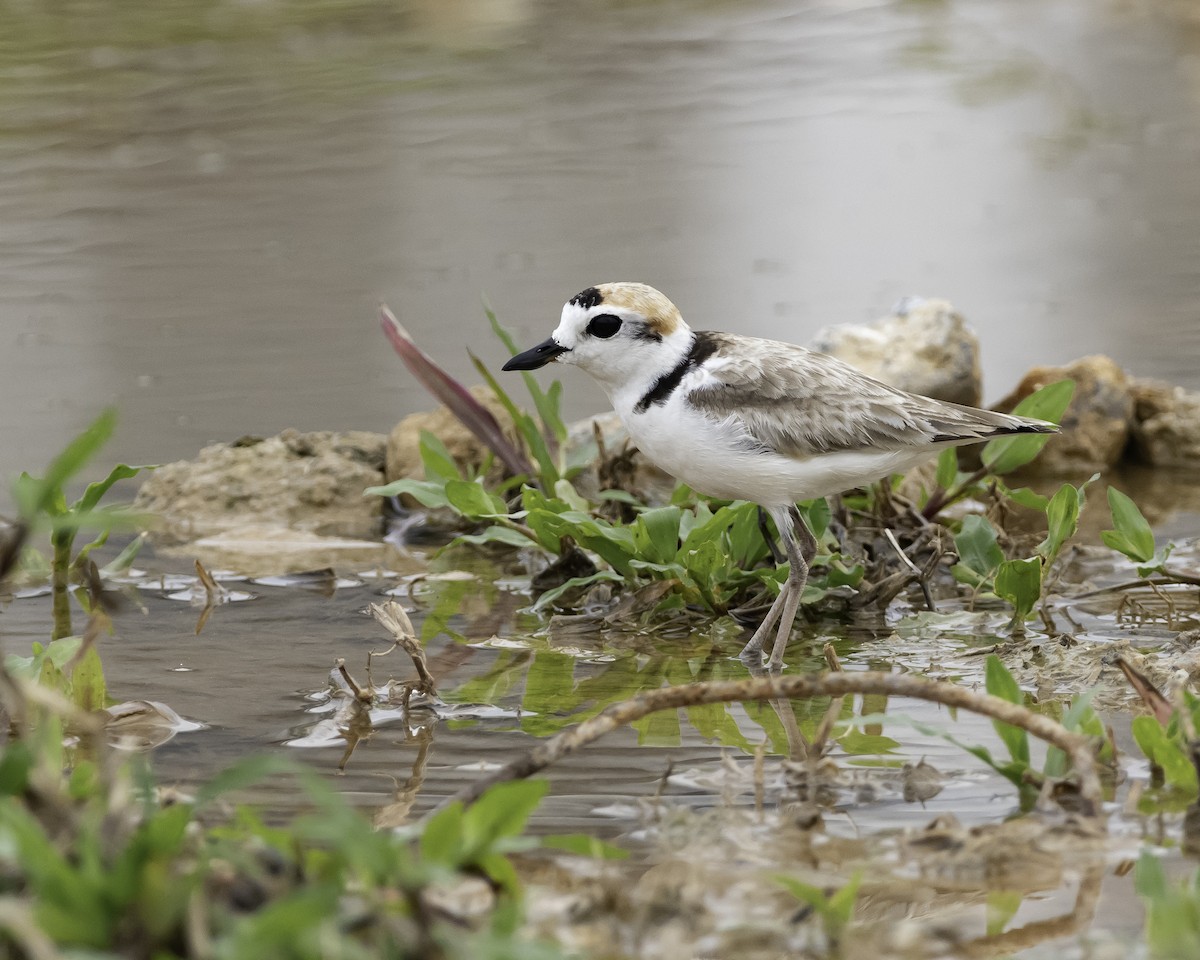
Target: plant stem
<point>940,499</point>
<point>62,541</point>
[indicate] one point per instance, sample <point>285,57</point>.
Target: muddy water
<point>198,213</point>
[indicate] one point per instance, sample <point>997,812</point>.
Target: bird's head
<point>617,332</point>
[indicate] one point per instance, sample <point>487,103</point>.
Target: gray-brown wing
<point>800,403</point>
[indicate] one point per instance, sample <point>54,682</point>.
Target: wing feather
<point>800,403</point>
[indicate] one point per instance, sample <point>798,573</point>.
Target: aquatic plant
<point>42,507</point>
<point>69,663</point>
<point>1172,925</point>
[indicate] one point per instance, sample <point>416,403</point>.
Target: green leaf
<point>15,765</point>
<point>95,491</point>
<point>705,562</point>
<point>841,904</point>
<point>471,500</point>
<point>438,463</point>
<point>1062,520</point>
<point>1005,454</point>
<point>1149,878</point>
<point>1020,583</point>
<point>1133,536</point>
<point>565,491</point>
<point>67,464</point>
<point>442,838</point>
<point>550,597</point>
<point>656,534</point>
<point>546,403</point>
<point>977,546</point>
<point>501,812</point>
<point>1079,718</point>
<point>1000,683</point>
<point>428,493</point>
<point>1002,906</point>
<point>816,514</point>
<point>947,468</point>
<point>844,574</point>
<point>88,691</point>
<point>613,543</point>
<point>1023,496</point>
<point>1166,753</point>
<point>584,845</point>
<point>498,534</point>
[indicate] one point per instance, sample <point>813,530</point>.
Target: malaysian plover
<point>741,418</point>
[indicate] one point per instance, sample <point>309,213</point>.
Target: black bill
<point>537,356</point>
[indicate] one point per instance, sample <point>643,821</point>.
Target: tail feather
<point>986,425</point>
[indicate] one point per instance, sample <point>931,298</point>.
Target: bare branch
<point>1077,747</point>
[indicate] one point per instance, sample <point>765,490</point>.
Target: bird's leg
<point>752,651</point>
<point>776,556</point>
<point>801,547</point>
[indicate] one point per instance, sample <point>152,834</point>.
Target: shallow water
<point>257,677</point>
<point>200,211</point>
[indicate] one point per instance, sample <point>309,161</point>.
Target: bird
<point>742,418</point>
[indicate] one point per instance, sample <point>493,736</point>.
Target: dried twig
<point>1077,747</point>
<point>392,617</point>
<point>213,594</point>
<point>1173,579</point>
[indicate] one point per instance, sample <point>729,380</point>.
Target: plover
<point>741,418</point>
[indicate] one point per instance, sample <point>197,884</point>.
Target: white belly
<point>718,458</point>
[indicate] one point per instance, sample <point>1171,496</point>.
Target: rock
<point>404,442</point>
<point>1166,425</point>
<point>302,481</point>
<point>924,347</point>
<point>1095,429</point>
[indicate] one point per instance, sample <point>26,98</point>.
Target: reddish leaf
<point>470,412</point>
<point>1159,705</point>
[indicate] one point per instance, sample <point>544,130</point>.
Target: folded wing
<point>800,403</point>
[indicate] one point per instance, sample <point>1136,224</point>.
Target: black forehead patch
<point>591,297</point>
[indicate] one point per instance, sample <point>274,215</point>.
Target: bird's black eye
<point>604,326</point>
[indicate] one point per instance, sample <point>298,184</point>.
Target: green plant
<point>983,565</point>
<point>93,862</point>
<point>1172,910</point>
<point>833,907</point>
<point>42,506</point>
<point>70,664</point>
<point>1002,455</point>
<point>1171,747</point>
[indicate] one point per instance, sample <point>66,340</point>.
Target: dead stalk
<point>392,617</point>
<point>1077,747</point>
